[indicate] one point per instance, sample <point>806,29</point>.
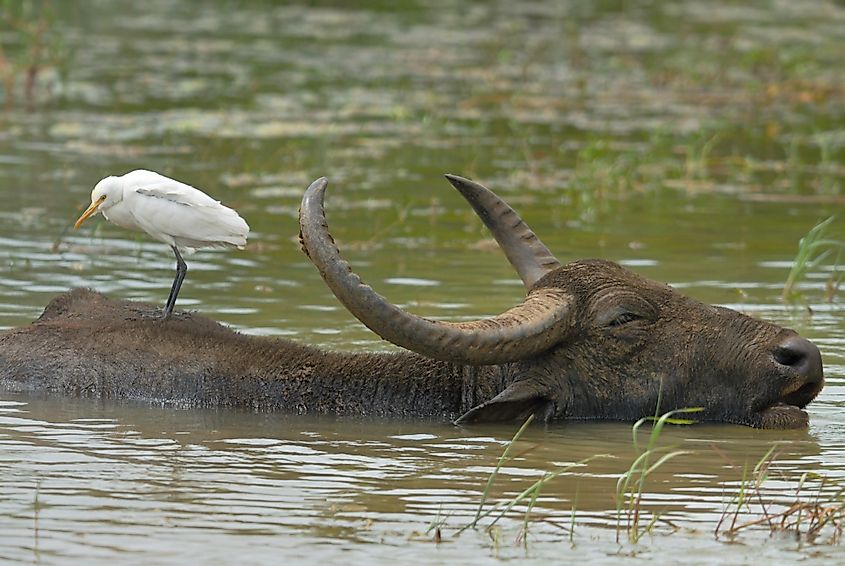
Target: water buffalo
<point>591,340</point>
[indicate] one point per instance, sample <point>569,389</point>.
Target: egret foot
<point>146,314</point>
<point>157,314</point>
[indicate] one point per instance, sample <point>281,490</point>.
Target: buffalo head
<point>591,340</point>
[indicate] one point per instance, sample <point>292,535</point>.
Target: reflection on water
<point>694,143</point>
<point>106,483</point>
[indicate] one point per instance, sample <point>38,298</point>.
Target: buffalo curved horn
<point>527,254</point>
<point>530,328</point>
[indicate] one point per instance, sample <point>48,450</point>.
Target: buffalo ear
<point>519,400</point>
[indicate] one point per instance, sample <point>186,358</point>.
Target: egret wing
<point>153,185</point>
<point>180,215</point>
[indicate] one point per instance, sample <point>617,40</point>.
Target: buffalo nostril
<point>788,356</point>
<point>801,355</point>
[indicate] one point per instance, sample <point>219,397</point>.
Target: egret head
<point>107,193</point>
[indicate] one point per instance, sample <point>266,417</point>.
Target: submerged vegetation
<point>814,512</point>
<point>813,249</point>
<point>816,515</point>
<point>630,489</point>
<point>31,45</point>
<point>528,495</point>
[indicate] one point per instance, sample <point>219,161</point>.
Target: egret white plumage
<point>172,212</point>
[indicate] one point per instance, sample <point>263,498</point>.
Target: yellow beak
<point>91,211</point>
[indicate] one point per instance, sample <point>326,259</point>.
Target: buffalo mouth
<point>788,410</point>
<point>783,416</point>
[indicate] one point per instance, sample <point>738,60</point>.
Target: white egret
<point>172,212</point>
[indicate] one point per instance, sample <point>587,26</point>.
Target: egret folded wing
<point>177,192</point>
<point>187,218</point>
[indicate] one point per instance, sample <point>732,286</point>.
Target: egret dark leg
<point>181,271</point>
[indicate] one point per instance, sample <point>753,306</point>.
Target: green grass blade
<point>502,459</point>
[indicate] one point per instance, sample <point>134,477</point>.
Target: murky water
<point>694,143</point>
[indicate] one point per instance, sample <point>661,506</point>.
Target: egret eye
<point>102,198</point>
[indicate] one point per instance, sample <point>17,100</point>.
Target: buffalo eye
<point>622,313</point>
<point>623,318</point>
